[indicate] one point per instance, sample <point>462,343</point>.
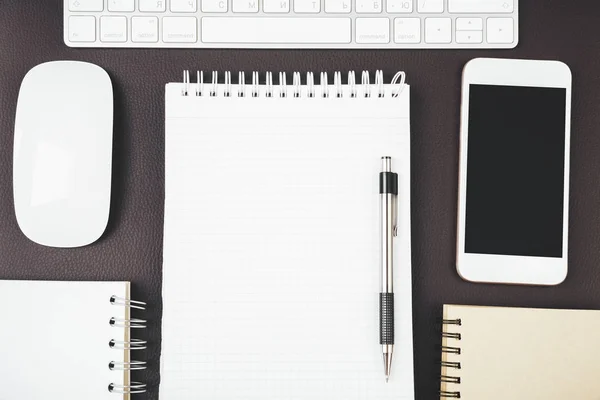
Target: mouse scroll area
<point>63,153</point>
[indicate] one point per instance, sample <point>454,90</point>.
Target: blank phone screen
<point>515,171</point>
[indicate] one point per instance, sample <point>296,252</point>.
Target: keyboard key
<point>275,30</point>
<point>82,29</point>
<point>121,5</point>
<point>407,30</point>
<point>153,5</point>
<point>184,6</point>
<point>144,29</point>
<point>469,24</point>
<point>338,6</point>
<point>245,6</point>
<point>438,30</point>
<point>430,6</point>
<point>276,6</point>
<point>399,6</point>
<point>214,6</point>
<point>469,36</point>
<point>500,30</point>
<point>113,29</point>
<point>481,6</point>
<point>86,5</point>
<point>180,29</point>
<point>307,6</point>
<point>368,6</point>
<point>372,30</point>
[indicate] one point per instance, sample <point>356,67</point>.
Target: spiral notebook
<point>498,353</point>
<point>67,340</point>
<point>271,240</point>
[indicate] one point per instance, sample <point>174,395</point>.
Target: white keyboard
<point>344,24</point>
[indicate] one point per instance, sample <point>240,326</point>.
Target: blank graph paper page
<point>271,273</point>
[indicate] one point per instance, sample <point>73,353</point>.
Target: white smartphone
<point>514,172</point>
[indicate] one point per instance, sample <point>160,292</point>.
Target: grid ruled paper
<point>271,248</point>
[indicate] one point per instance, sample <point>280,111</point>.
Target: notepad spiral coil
<point>324,88</point>
<point>127,345</point>
<point>452,351</point>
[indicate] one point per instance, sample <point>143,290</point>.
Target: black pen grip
<point>386,318</point>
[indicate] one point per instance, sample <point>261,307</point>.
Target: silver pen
<point>388,191</point>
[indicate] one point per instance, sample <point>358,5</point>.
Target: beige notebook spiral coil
<point>496,353</point>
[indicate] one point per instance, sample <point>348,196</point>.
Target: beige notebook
<point>503,353</point>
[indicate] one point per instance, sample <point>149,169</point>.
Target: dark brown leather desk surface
<point>31,33</point>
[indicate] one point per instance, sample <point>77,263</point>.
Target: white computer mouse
<point>62,161</point>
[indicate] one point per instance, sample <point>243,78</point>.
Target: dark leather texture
<point>31,32</point>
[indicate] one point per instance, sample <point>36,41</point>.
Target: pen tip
<point>387,365</point>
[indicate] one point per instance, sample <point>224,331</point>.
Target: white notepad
<point>56,339</point>
<point>271,244</point>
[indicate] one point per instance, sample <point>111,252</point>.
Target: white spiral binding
<point>255,84</point>
<point>297,83</point>
<point>352,83</point>
<point>364,82</point>
<point>269,84</point>
<point>337,82</point>
<point>126,365</point>
<point>214,83</point>
<point>324,85</point>
<point>242,84</point>
<point>227,84</point>
<point>280,88</point>
<point>282,85</point>
<point>119,301</point>
<point>133,344</point>
<point>186,83</point>
<point>132,323</point>
<point>136,344</point>
<point>310,84</point>
<point>199,83</point>
<point>132,388</point>
<point>379,83</point>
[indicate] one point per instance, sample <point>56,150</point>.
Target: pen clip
<point>395,215</point>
